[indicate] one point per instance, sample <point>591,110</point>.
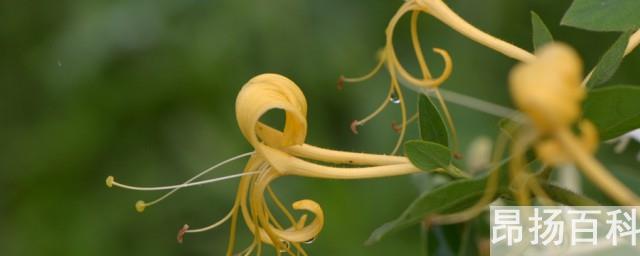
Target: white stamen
<point>175,187</point>
<point>187,183</point>
<point>200,174</point>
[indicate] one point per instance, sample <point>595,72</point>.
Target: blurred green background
<point>144,90</point>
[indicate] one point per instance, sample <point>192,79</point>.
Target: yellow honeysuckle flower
<point>277,154</point>
<point>545,87</point>
<point>396,70</point>
<point>548,90</point>
<point>439,10</point>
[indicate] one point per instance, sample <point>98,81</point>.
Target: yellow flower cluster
<point>546,87</point>
<point>549,91</point>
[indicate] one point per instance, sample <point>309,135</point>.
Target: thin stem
<point>411,119</point>
<point>536,189</point>
<point>214,225</point>
<point>280,205</point>
<point>595,171</point>
<point>447,115</point>
<point>493,182</point>
<point>367,76</point>
<point>248,250</point>
<point>518,170</point>
<point>477,104</point>
<point>382,106</point>
<point>403,111</point>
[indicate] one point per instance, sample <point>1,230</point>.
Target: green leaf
<point>432,126</point>
<point>427,155</point>
<point>610,61</point>
<point>567,197</point>
<point>541,34</point>
<point>432,157</point>
<point>603,15</point>
<point>452,197</point>
<point>615,110</point>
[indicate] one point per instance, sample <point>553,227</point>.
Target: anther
<point>340,84</point>
<point>396,127</point>
<point>285,246</point>
<point>109,181</point>
<point>140,205</point>
<point>427,222</point>
<point>181,233</point>
<point>354,126</point>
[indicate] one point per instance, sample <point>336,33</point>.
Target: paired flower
<point>439,10</point>
<point>283,153</point>
<point>548,90</point>
<point>546,87</point>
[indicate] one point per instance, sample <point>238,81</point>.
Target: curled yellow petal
<point>267,92</point>
<point>302,232</point>
<point>439,10</point>
<point>280,153</point>
<point>427,83</point>
<point>394,64</point>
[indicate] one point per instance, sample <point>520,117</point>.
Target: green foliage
<point>541,34</point>
<point>429,156</point>
<point>459,195</point>
<point>455,239</point>
<point>613,109</point>
<point>449,198</point>
<point>603,15</point>
<point>566,197</point>
<point>432,126</point>
<point>610,61</point>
